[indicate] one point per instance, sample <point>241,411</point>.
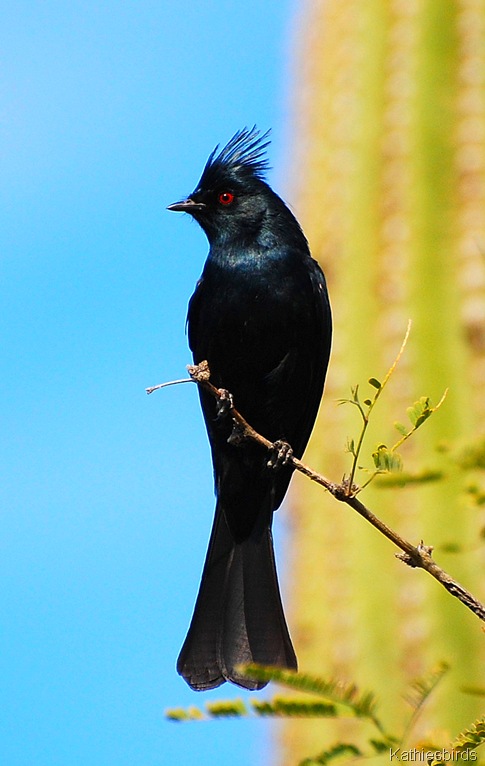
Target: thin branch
<point>151,389</point>
<point>370,406</point>
<point>414,556</point>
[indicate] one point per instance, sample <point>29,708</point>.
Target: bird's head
<point>232,197</point>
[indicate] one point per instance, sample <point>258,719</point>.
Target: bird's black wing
<point>270,350</point>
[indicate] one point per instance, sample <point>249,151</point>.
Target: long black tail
<point>238,617</point>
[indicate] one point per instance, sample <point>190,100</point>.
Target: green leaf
<point>424,416</point>
<point>419,692</point>
<point>340,749</point>
<point>402,478</point>
<point>472,455</point>
<point>378,457</point>
<point>291,708</point>
<point>362,704</point>
<point>401,428</point>
<point>420,411</point>
<point>351,446</point>
<point>470,738</point>
<point>176,714</point>
<point>380,745</point>
<point>421,688</point>
<point>477,691</point>
<point>385,460</point>
<point>395,465</point>
<point>375,383</point>
<point>412,415</point>
<point>226,708</point>
<point>450,547</point>
<point>184,714</point>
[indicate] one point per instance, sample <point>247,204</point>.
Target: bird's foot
<point>225,403</point>
<point>281,455</point>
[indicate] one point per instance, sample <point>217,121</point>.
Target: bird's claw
<point>225,403</point>
<point>281,455</point>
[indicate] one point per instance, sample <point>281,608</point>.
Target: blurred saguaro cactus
<point>389,173</point>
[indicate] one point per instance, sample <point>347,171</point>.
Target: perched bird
<point>260,316</point>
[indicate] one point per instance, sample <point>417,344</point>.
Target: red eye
<point>226,198</point>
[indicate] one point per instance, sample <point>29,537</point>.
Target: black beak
<point>186,206</point>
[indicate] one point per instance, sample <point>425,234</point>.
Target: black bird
<point>260,316</point>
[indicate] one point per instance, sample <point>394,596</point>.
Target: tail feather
<point>238,617</point>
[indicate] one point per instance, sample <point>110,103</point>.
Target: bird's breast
<point>249,312</point>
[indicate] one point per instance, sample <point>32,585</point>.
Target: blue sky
<point>108,111</point>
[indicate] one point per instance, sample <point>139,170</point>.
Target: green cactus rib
<point>390,189</point>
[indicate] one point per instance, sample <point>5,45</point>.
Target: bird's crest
<point>243,156</point>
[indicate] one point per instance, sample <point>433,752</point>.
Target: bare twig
<point>151,389</point>
<point>414,556</point>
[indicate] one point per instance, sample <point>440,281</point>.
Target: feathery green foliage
<point>286,706</point>
<point>470,738</point>
<point>360,704</point>
<point>346,699</point>
<point>226,709</point>
<point>420,691</point>
<point>386,459</point>
<point>337,751</point>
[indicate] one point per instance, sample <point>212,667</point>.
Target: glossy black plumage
<point>260,316</point>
